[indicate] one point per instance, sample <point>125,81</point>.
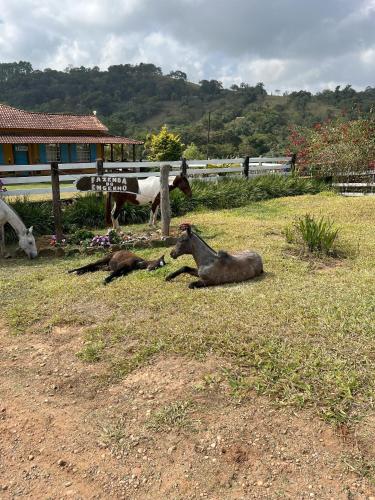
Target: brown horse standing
<point>120,263</point>
<point>143,192</point>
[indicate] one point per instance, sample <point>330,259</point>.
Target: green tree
<point>164,146</point>
<point>192,152</point>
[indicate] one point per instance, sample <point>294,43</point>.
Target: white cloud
<point>287,44</point>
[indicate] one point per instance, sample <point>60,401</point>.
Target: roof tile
<point>64,139</point>
<point>13,118</point>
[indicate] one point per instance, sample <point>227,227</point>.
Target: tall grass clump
<point>85,211</point>
<point>230,192</point>
<point>315,235</point>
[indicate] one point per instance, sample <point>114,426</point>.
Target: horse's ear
<point>186,227</point>
<point>30,231</point>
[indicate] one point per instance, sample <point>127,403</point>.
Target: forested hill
<point>135,100</point>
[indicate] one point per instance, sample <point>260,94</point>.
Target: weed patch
<point>174,415</point>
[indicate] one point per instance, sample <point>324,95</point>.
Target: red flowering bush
<point>334,147</point>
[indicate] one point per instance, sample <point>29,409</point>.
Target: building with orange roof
<point>29,138</point>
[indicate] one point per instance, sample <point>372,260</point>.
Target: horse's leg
<point>91,268</point>
<point>2,240</point>
<point>183,269</point>
<point>115,214</point>
<point>154,210</point>
<point>116,274</point>
<point>155,217</point>
<point>197,284</point>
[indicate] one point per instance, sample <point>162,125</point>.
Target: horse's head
<point>181,182</point>
<point>155,264</point>
<point>184,244</point>
<point>27,243</point>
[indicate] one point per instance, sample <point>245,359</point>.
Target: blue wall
<point>20,157</point>
<point>42,153</point>
<point>64,153</point>
<point>1,155</point>
<point>73,152</point>
<point>93,152</point>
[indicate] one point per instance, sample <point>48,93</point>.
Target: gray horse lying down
<point>214,268</point>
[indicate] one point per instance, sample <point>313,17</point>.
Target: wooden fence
<point>19,175</point>
<point>356,183</point>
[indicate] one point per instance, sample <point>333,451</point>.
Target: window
<point>83,152</point>
<point>53,152</point>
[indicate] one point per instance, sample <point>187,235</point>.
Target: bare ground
<point>169,430</point>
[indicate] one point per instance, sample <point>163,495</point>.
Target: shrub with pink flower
<point>54,243</point>
<point>100,241</point>
<point>335,146</point>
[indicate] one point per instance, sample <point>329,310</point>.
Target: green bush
<point>88,211</point>
<point>85,211</point>
<point>317,235</point>
<point>80,235</point>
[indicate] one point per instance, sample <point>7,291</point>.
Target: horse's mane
<point>207,245</point>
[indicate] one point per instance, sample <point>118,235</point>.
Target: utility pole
<point>208,133</point>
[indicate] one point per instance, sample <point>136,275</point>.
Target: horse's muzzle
<point>173,254</point>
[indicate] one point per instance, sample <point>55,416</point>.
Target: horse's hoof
<point>197,284</point>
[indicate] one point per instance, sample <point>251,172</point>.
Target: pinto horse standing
<point>214,268</point>
<point>143,192</point>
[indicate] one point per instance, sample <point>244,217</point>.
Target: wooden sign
<point>104,184</point>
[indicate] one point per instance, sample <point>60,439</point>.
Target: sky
<point>286,44</point>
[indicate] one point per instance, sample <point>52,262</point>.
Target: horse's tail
<point>108,207</point>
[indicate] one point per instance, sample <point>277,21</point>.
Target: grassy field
<point>304,334</point>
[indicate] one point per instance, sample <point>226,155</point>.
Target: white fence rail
<point>195,168</point>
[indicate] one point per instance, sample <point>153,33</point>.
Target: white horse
<point>26,239</point>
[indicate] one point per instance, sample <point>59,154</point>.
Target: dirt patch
<point>64,434</point>
<point>315,262</point>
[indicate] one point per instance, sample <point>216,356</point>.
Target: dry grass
<point>302,335</point>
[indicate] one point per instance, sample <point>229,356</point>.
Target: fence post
<point>184,167</point>
<point>164,200</point>
<point>245,167</point>
<point>260,161</point>
<point>99,166</point>
<point>293,162</point>
<point>56,200</point>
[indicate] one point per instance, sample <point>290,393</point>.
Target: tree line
<point>136,100</point>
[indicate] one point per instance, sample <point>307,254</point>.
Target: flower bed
<point>86,242</point>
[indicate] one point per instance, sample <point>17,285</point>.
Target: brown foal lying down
<point>120,263</point>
